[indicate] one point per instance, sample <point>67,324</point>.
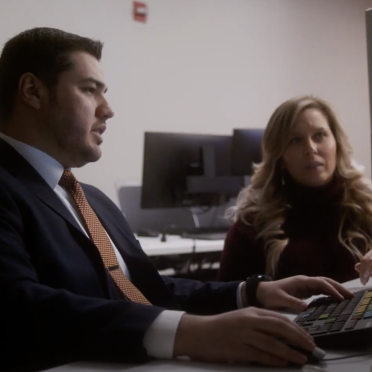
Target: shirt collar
<point>49,168</point>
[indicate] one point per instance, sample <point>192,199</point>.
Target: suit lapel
<point>118,231</point>
<point>143,273</point>
<point>16,165</point>
<point>150,284</point>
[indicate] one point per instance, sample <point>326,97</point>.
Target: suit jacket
<point>58,302</point>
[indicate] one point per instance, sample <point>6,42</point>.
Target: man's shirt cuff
<point>239,300</point>
<point>159,338</point>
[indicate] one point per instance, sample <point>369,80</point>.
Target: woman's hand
<point>364,267</point>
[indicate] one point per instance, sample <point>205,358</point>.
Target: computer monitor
<point>246,150</point>
<point>186,170</point>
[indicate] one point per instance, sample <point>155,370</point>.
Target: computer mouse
<point>314,356</point>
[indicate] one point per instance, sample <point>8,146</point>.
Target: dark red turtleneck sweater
<point>313,249</point>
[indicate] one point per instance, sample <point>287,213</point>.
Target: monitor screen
<point>246,150</point>
<point>169,158</point>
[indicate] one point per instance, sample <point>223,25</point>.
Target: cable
<point>192,256</point>
<point>347,356</point>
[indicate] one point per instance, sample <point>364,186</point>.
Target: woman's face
<point>311,154</point>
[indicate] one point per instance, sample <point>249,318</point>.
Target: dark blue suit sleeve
<point>42,326</point>
<point>203,298</point>
<point>54,305</point>
<point>192,296</point>
<point>58,303</point>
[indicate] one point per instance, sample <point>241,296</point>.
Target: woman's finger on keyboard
<point>365,267</point>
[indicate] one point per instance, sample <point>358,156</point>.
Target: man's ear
<point>31,90</point>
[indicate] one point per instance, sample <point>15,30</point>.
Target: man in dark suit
<point>59,302</point>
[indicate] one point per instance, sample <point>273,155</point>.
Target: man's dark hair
<point>44,52</point>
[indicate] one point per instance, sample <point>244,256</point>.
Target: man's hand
<point>286,293</point>
<point>242,336</point>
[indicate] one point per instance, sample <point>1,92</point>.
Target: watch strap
<point>251,286</point>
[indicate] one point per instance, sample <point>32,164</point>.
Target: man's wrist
<point>243,295</point>
<point>251,287</point>
<point>187,335</point>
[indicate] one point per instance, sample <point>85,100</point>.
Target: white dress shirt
<point>159,338</point>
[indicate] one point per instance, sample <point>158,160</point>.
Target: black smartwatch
<point>251,285</point>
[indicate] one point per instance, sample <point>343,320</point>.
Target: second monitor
<point>246,150</point>
<point>185,170</point>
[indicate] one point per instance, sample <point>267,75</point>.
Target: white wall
<point>208,66</point>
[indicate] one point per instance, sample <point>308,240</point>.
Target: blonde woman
<point>308,209</point>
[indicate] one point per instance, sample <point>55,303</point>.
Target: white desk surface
<point>356,364</point>
<point>177,245</point>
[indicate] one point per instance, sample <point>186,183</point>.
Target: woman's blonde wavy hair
<point>264,203</point>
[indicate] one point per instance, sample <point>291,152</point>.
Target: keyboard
<point>174,230</point>
<point>205,236</point>
<point>339,324</point>
<point>202,233</point>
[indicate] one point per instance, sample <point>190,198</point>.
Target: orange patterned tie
<point>99,237</point>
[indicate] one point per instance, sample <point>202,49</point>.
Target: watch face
<point>261,278</point>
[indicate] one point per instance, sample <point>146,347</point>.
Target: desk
<point>180,256</point>
<point>356,364</point>
<point>177,245</point>
<point>359,364</point>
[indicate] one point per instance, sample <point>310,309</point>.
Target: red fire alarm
<point>139,11</point>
